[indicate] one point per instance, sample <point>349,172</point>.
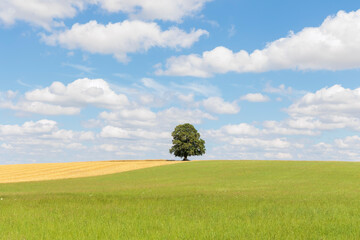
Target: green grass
<point>195,200</point>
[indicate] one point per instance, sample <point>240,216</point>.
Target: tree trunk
<point>185,158</point>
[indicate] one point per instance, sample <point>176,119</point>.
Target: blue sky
<point>110,79</point>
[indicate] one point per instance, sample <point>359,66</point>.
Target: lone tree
<point>187,142</point>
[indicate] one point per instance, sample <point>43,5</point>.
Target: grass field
<point>193,200</point>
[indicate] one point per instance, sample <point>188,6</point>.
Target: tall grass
<point>195,200</point>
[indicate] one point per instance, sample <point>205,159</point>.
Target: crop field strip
<point>52,171</point>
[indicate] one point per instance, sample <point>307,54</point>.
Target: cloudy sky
<point>110,79</point>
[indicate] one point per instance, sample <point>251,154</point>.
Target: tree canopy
<point>187,142</point>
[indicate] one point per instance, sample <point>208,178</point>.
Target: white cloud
<point>287,128</point>
<point>49,13</point>
<point>58,99</point>
<point>69,135</point>
<point>348,142</point>
<point>347,148</point>
<point>270,128</point>
<point>327,108</point>
<point>44,129</point>
<point>116,132</point>
<point>40,108</point>
<point>152,93</point>
<point>321,123</point>
<point>218,105</point>
<point>245,141</point>
<point>255,97</point>
<point>109,147</point>
<point>325,100</point>
<point>41,126</point>
<point>10,94</point>
<point>42,140</point>
<point>145,118</point>
<point>140,133</point>
<point>171,10</point>
<point>279,155</point>
<point>240,129</point>
<point>131,117</point>
<point>172,116</point>
<point>281,89</point>
<point>86,136</point>
<point>341,149</point>
<point>262,143</point>
<point>60,134</point>
<point>331,46</point>
<point>284,91</point>
<point>142,114</point>
<point>188,98</point>
<point>39,12</point>
<point>122,38</point>
<point>6,146</point>
<point>77,146</point>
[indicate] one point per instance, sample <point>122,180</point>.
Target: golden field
<point>51,171</point>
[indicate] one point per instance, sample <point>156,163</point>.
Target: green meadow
<point>191,200</point>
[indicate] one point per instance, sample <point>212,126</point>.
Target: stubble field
<point>51,171</point>
<point>193,200</point>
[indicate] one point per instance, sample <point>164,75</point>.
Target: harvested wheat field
<point>51,171</point>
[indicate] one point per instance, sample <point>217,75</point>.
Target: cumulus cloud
<point>348,142</point>
<point>60,99</point>
<point>328,108</point>
<point>42,140</point>
<point>255,97</point>
<point>270,128</point>
<point>44,129</point>
<point>119,39</point>
<point>314,114</point>
<point>49,13</point>
<point>41,126</point>
<point>240,129</point>
<point>218,105</point>
<point>279,155</point>
<point>133,117</point>
<point>175,115</point>
<point>145,118</point>
<point>69,134</point>
<point>143,114</point>
<point>286,128</point>
<point>40,108</point>
<point>6,146</point>
<point>39,12</point>
<point>109,147</point>
<point>245,141</point>
<point>343,149</point>
<point>331,46</point>
<point>80,92</point>
<point>264,143</point>
<point>171,10</point>
<point>116,132</point>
